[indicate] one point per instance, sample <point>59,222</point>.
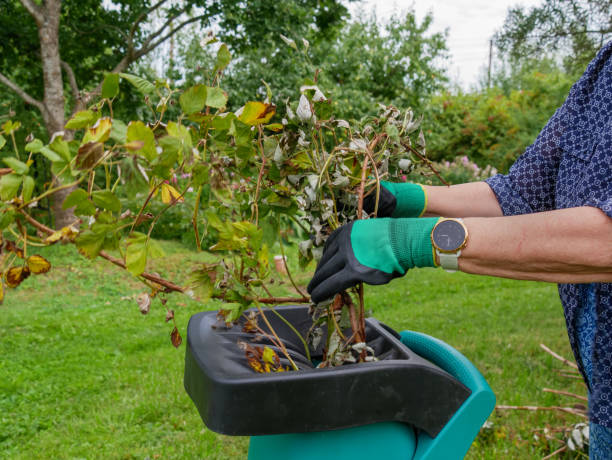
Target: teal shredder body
<point>394,440</point>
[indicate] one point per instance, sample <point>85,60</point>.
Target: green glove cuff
<point>393,245</point>
<point>411,241</point>
<point>411,198</point>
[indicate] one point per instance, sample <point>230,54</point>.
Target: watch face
<point>448,235</point>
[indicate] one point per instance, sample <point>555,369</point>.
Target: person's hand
<point>397,200</point>
<point>373,251</point>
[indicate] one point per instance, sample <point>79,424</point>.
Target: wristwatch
<point>448,238</point>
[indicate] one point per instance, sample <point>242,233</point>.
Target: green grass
<point>84,375</point>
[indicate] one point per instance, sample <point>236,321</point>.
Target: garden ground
<point>84,375</point>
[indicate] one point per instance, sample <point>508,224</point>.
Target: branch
<point>556,356</point>
<point>72,80</point>
<point>143,15</point>
<point>35,11</point>
<point>565,393</point>
<point>426,160</point>
<point>148,47</point>
<point>169,285</point>
<point>23,95</point>
<point>569,410</point>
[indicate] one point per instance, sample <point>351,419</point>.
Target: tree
<point>571,29</point>
<point>362,62</point>
<point>58,44</point>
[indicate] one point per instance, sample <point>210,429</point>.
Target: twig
<point>558,451</point>
<point>426,161</point>
<point>565,393</point>
<point>299,291</point>
<point>284,320</point>
<point>259,177</point>
<point>569,410</point>
<point>556,356</point>
<point>282,346</point>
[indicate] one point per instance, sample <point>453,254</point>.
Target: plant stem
<point>194,218</point>
<point>299,291</point>
<point>259,177</point>
<point>273,332</point>
<point>151,193</point>
<point>426,161</point>
<point>284,320</point>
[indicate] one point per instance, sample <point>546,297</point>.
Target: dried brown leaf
<point>15,275</point>
<point>169,315</point>
<point>175,338</point>
<point>144,302</point>
<point>89,154</point>
<point>12,247</point>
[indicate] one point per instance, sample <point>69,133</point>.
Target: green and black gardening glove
<point>373,251</point>
<point>397,200</point>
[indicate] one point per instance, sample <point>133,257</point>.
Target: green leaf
<point>2,141</point>
<point>82,119</point>
<point>215,97</point>
<point>136,253</point>
<point>18,166</point>
<point>90,243</point>
<point>223,58</point>
<point>7,218</point>
<point>50,154</point>
<point>142,85</point>
<point>138,131</point>
<point>223,122</point>
<point>60,146</point>
<point>199,175</point>
<point>75,197</point>
<point>193,99</point>
<point>28,188</point>
<point>118,131</point>
<point>110,85</point>
<point>35,146</point>
<point>154,249</point>
<point>9,185</point>
<point>106,199</point>
<point>10,127</point>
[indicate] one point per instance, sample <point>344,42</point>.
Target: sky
<point>470,23</point>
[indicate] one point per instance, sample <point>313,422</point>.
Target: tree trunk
<point>48,33</point>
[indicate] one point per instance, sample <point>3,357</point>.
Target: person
<point>548,219</point>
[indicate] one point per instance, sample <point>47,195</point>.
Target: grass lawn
<point>84,375</point>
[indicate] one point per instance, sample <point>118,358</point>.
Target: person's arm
<point>564,246</point>
<point>475,199</point>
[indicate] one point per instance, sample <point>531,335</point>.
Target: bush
<point>492,127</point>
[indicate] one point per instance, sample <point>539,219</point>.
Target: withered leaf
<point>1,292</point>
<point>170,195</point>
<point>169,315</point>
<point>89,154</point>
<point>12,247</point>
<point>144,302</point>
<point>262,359</point>
<point>251,323</point>
<point>38,264</point>
<point>66,234</point>
<point>15,275</point>
<point>176,338</point>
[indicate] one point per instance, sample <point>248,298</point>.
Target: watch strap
<point>449,262</point>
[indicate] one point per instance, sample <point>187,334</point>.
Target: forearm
<point>475,199</point>
<point>563,246</point>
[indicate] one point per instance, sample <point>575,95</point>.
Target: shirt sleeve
<point>529,186</point>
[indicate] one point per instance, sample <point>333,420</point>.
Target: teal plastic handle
<point>458,434</point>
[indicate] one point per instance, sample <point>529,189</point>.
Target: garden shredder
<point>423,400</point>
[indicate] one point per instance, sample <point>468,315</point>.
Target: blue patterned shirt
<point>570,165</point>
